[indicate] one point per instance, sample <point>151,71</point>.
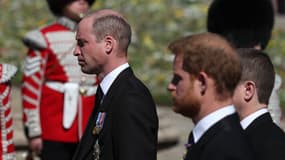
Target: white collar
<point>205,123</point>
<point>110,77</point>
<point>250,118</point>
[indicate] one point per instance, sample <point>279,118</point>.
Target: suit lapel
<point>115,88</point>
<point>88,139</point>
<point>85,145</point>
<point>197,149</point>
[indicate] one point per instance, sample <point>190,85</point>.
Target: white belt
<point>71,93</point>
<point>61,87</point>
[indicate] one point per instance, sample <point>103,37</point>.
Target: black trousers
<point>57,150</point>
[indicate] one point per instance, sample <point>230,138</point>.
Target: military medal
<point>99,123</point>
<point>96,130</point>
<point>96,153</point>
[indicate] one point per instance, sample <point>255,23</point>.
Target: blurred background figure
<point>279,6</point>
<point>7,148</point>
<point>57,97</point>
<point>247,24</point>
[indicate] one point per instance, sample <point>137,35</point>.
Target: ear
<point>202,78</point>
<point>249,90</point>
<point>109,44</point>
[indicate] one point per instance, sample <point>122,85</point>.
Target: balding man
<point>124,124</point>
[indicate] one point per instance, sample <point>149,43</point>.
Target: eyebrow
<point>81,39</point>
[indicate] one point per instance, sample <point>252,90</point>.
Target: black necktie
<point>188,146</point>
<point>190,140</point>
<point>99,96</point>
<point>96,148</point>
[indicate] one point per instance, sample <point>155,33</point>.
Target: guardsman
<point>57,97</point>
<point>7,148</point>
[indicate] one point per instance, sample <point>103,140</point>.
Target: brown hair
<point>213,55</point>
<point>257,67</point>
<point>114,26</point>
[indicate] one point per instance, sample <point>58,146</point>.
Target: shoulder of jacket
<point>7,71</point>
<point>35,39</point>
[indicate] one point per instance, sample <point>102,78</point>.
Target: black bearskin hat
<point>56,6</point>
<point>245,23</point>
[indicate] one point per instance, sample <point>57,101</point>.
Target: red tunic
<point>50,71</point>
<point>7,148</point>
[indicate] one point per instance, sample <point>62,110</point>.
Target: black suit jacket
<point>223,141</point>
<point>266,138</point>
<point>131,123</point>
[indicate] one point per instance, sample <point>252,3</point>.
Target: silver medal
<point>97,151</point>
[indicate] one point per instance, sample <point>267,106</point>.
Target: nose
<point>76,51</point>
<point>171,87</point>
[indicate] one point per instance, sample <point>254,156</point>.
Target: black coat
<point>131,123</point>
<point>223,141</point>
<point>266,138</point>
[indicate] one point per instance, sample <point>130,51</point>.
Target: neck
<point>112,66</point>
<point>212,106</point>
<point>249,109</point>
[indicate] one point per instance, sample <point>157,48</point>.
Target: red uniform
<point>57,97</point>
<point>7,150</point>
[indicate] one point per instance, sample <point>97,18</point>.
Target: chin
<point>85,70</point>
<point>187,111</point>
<point>179,111</point>
<point>176,109</point>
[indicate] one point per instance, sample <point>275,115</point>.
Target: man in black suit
<point>251,99</point>
<point>124,124</point>
<point>247,24</point>
<point>206,72</point>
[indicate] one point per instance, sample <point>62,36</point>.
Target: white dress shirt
<point>107,81</point>
<point>249,119</point>
<point>208,121</point>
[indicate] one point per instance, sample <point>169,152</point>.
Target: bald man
<point>124,124</point>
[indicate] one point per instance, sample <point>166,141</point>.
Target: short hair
<point>245,23</point>
<point>213,55</point>
<point>114,26</point>
<point>257,67</point>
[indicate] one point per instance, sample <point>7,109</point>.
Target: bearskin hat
<point>245,23</point>
<point>56,6</point>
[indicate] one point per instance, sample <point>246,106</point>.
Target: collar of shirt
<point>110,77</point>
<point>250,118</point>
<point>205,123</point>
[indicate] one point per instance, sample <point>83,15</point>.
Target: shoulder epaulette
<point>7,71</point>
<point>35,39</point>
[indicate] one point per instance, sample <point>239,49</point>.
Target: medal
<point>96,130</point>
<point>96,153</point>
<point>99,123</point>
